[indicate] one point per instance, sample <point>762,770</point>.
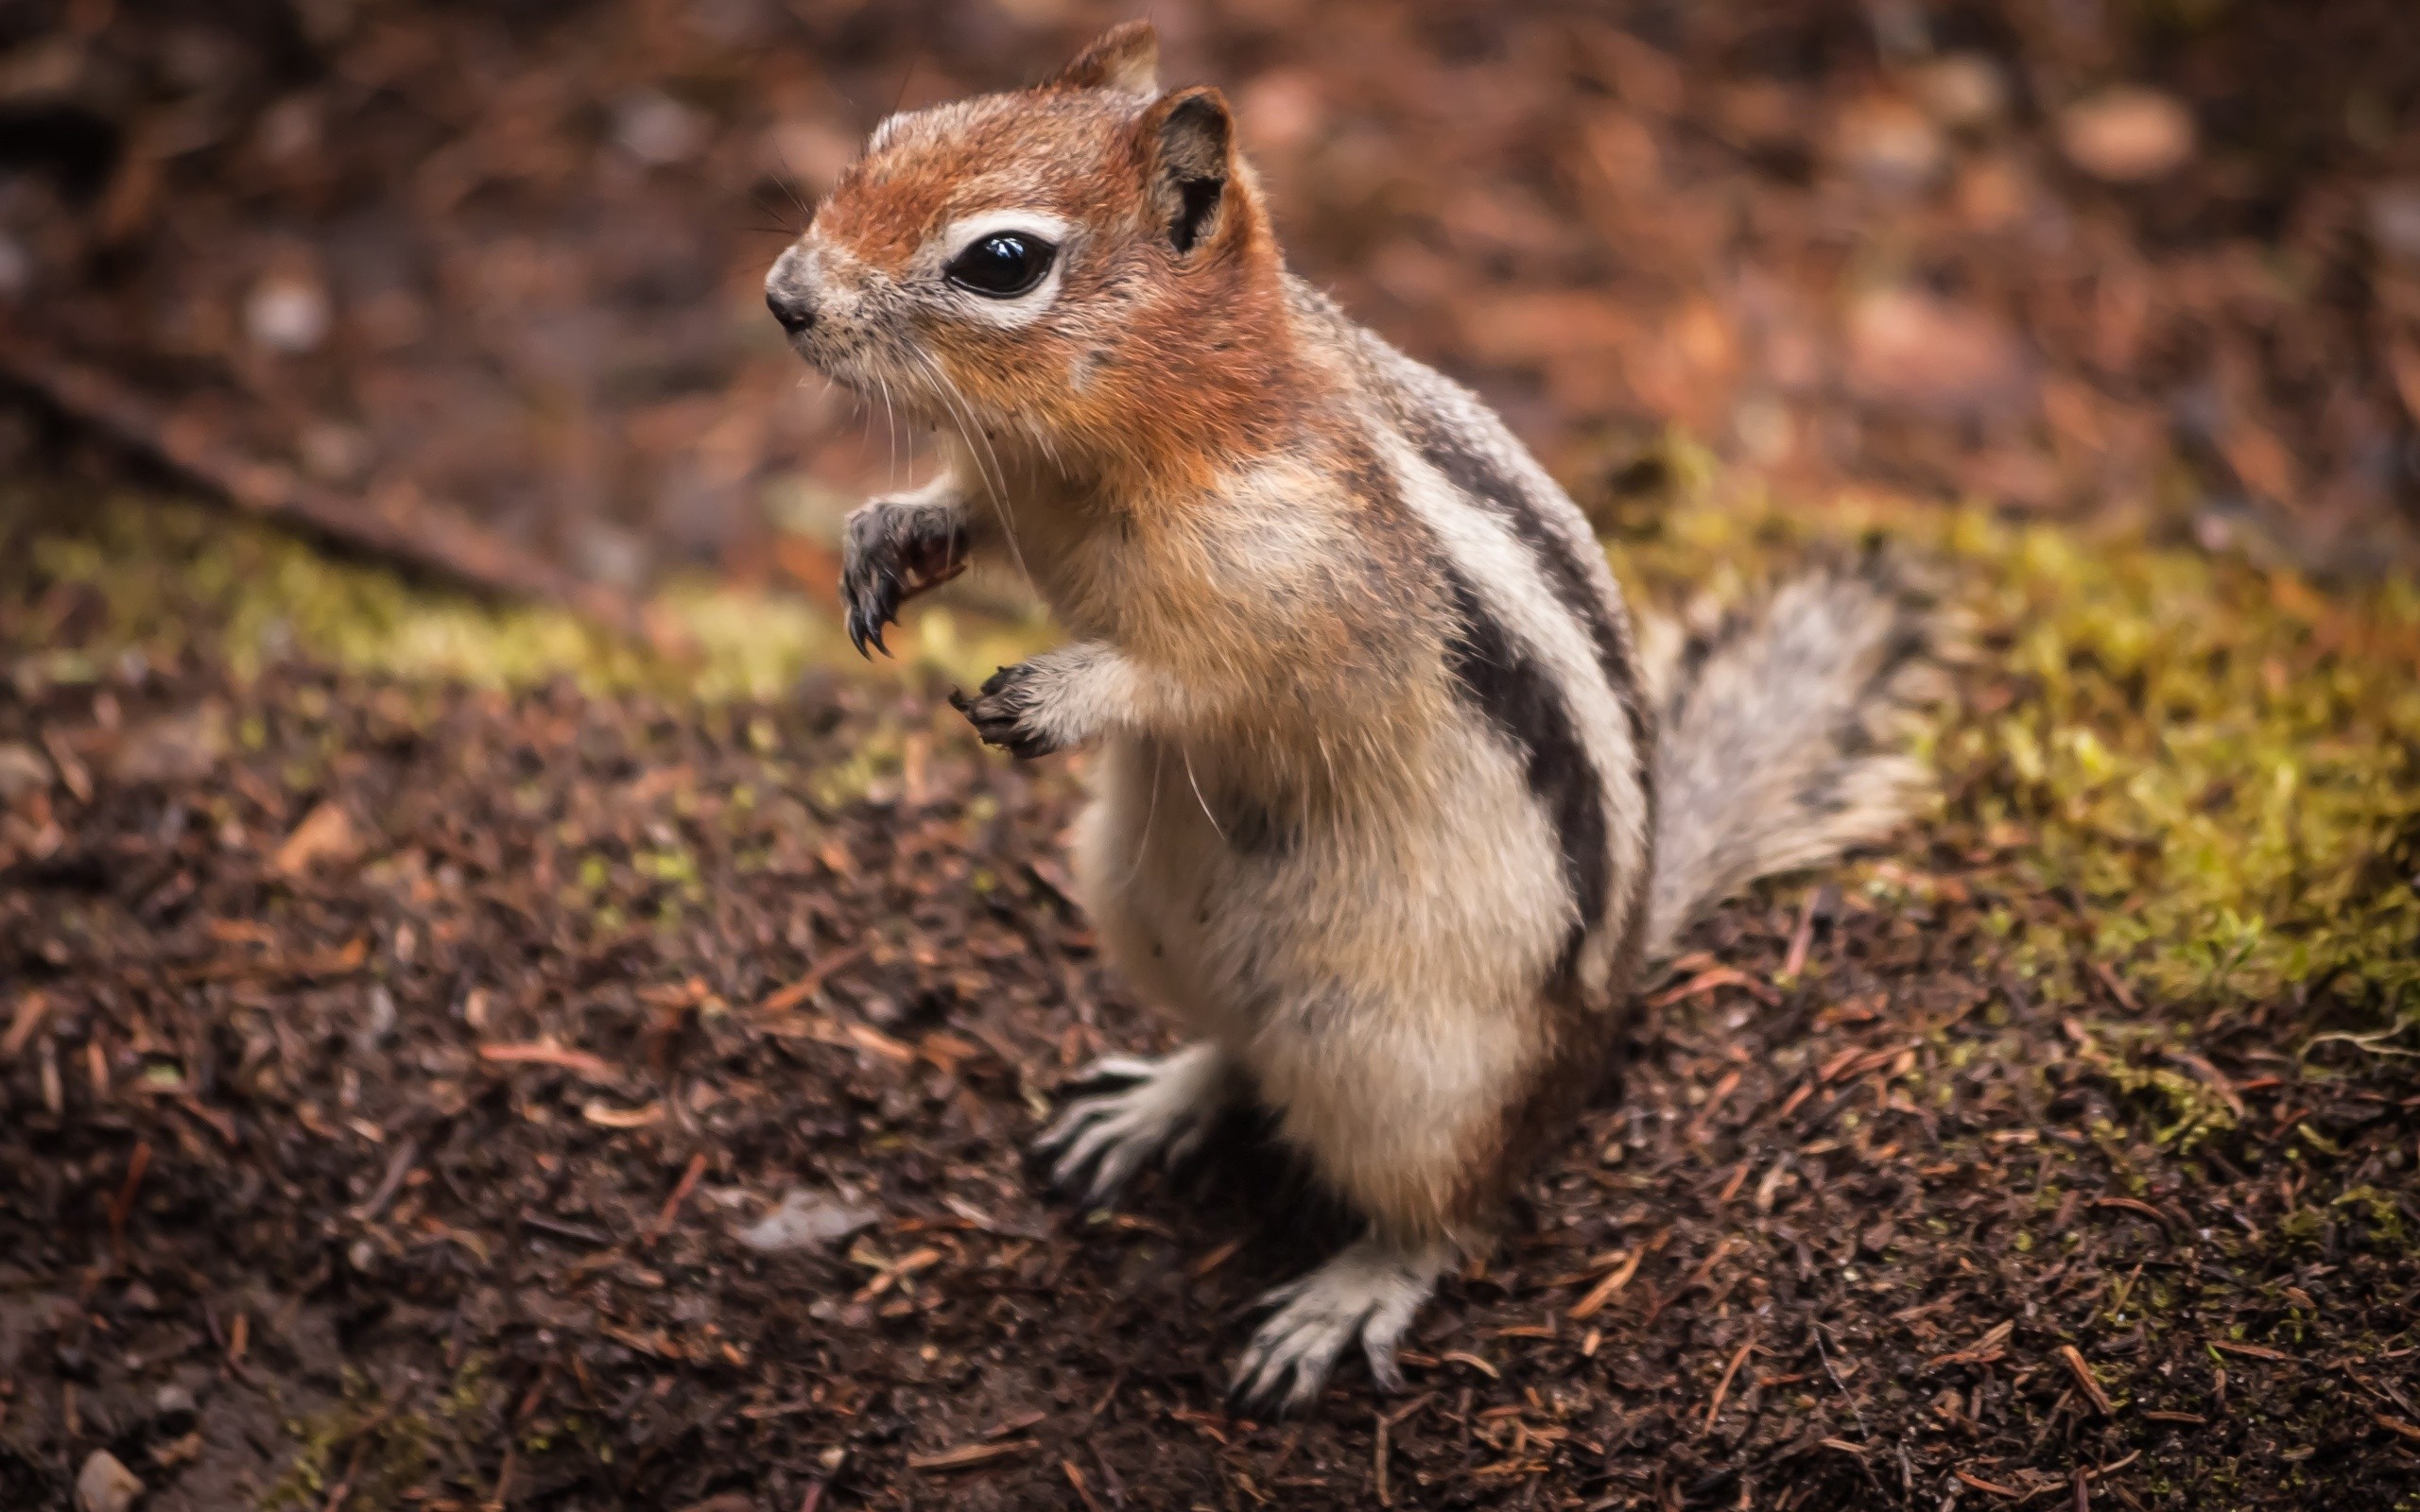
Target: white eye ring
<point>1006,310</point>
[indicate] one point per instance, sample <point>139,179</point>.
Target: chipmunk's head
<point>1067,262</point>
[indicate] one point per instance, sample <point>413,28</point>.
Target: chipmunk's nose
<point>794,309</point>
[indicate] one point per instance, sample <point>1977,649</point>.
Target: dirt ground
<point>395,1078</point>
<point>421,1095</point>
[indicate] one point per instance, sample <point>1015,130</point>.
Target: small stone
<point>287,311</point>
<point>290,129</point>
<point>807,1220</point>
<point>326,833</point>
<point>334,453</point>
<point>2394,220</point>
<point>606,554</point>
<point>180,748</point>
<point>1964,92</point>
<point>1890,144</point>
<point>378,1020</point>
<point>1917,350</point>
<point>659,130</point>
<point>2128,134</point>
<point>21,771</point>
<point>105,1484</point>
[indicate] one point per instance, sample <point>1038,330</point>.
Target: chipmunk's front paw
<point>893,550</point>
<point>1011,711</point>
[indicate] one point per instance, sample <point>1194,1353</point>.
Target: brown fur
<point>1170,400</point>
<point>1378,780</point>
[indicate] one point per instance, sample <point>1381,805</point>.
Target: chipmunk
<point>1389,808</point>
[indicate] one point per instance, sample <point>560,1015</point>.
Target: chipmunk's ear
<point>1126,58</point>
<point>1189,142</point>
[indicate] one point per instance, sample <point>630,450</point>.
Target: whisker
<point>890,431</point>
<point>1196,784</point>
<point>979,449</point>
<point>1159,751</point>
<point>788,184</point>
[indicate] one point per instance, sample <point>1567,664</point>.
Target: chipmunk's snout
<point>792,307</point>
<point>789,293</point>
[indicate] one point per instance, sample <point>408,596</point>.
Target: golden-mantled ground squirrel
<point>1390,809</point>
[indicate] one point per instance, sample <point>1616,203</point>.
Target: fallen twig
<point>594,1068</point>
<point>1722,1387</point>
<point>399,1165</point>
<point>1378,1460</point>
<point>967,1455</point>
<point>32,1009</point>
<point>2073,1359</point>
<point>1611,1287</point>
<point>1717,977</point>
<point>400,529</point>
<point>2256,1352</point>
<point>122,1207</point>
<point>805,987</point>
<point>681,1190</point>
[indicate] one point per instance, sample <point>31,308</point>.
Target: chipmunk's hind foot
<point>1368,1293</point>
<point>1162,1109</point>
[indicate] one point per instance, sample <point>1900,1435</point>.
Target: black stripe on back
<point>1566,576</point>
<point>1515,694</point>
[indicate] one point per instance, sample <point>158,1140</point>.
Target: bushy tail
<point>1785,728</point>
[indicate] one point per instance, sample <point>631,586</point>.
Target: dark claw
<point>1242,1397</point>
<point>885,552</point>
<point>998,712</point>
<point>873,602</point>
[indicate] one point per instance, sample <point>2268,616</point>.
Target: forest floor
<point>456,1056</point>
<point>586,1092</point>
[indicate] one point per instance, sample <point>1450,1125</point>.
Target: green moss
<point>2193,1108</point>
<point>2222,764</point>
<point>2378,1210</point>
<point>165,576</point>
<point>2198,774</point>
<point>379,1453</point>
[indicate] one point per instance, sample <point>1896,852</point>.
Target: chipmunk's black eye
<point>1003,264</point>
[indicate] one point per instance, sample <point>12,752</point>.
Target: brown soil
<point>408,1171</point>
<point>391,1071</point>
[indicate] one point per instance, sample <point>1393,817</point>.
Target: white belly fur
<point>1360,975</point>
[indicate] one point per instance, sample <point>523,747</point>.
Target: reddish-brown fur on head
<point>1158,346</point>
